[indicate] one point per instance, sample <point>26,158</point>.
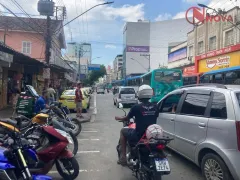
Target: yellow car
<point>68,99</point>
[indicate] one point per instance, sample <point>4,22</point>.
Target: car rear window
<point>127,91</point>
<point>238,97</point>
<point>71,92</point>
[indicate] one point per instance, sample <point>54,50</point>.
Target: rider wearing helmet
<point>145,115</point>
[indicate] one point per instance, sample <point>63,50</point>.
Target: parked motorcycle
<point>146,158</point>
<point>43,119</point>
<point>51,147</point>
<point>13,164</point>
<point>72,123</point>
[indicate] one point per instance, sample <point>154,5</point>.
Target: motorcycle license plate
<point>162,165</point>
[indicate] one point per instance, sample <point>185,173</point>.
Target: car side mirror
<point>120,106</point>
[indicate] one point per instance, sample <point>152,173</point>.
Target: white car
<point>100,90</point>
<point>125,96</point>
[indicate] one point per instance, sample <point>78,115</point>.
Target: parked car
<point>204,121</point>
<point>125,95</point>
<point>100,90</point>
<point>68,99</point>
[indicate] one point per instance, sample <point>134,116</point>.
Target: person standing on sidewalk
<point>51,94</point>
<point>79,99</point>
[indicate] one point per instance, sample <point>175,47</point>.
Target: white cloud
<point>126,12</point>
<point>195,1</point>
<point>162,17</point>
<point>110,46</point>
<point>180,15</point>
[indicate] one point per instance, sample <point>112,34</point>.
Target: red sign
<point>218,52</point>
<point>189,70</point>
<point>199,16</point>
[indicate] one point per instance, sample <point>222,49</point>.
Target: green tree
<point>96,74</point>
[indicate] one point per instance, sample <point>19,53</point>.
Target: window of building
<point>229,38</point>
<point>218,108</point>
<point>26,47</point>
<point>212,43</point>
<point>200,47</point>
<point>190,51</point>
<point>195,104</point>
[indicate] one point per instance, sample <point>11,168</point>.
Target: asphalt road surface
<point>97,154</point>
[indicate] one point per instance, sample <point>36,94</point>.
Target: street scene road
<point>97,154</point>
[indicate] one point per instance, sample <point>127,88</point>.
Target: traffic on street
<point>119,90</point>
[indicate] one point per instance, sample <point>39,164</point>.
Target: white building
<point>150,39</point>
<point>117,67</point>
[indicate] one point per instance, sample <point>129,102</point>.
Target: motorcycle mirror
<point>120,106</point>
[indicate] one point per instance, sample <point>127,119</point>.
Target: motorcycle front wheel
<point>68,168</point>
<point>77,127</point>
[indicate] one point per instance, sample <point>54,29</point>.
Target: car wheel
<point>213,167</point>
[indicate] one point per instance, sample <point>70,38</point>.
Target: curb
<point>93,116</point>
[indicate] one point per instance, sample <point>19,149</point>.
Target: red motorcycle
<point>146,158</point>
<point>51,148</point>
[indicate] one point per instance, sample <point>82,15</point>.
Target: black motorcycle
<point>146,158</point>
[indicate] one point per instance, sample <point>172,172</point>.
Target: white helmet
<point>145,92</point>
<point>154,132</point>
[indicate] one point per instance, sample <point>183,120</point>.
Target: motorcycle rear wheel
<point>68,168</point>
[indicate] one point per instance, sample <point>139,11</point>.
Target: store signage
<point>218,52</point>
<point>137,48</point>
<point>197,16</point>
<point>221,61</point>
<point>6,57</point>
<point>189,70</point>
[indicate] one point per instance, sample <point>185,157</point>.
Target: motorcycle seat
<point>24,121</point>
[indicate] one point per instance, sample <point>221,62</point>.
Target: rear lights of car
<point>238,133</point>
<point>160,147</point>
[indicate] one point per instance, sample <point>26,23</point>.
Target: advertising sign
<point>137,48</point>
<point>189,70</point>
<point>177,55</point>
<point>94,67</point>
<point>219,62</point>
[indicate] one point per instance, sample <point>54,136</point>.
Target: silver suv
<point>125,95</point>
<point>204,121</point>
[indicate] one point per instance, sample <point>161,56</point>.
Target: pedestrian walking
<point>51,94</point>
<point>79,99</point>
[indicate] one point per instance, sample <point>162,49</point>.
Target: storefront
<point>219,59</point>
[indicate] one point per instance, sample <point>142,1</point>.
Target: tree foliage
<point>96,74</point>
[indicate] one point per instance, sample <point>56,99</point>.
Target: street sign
<point>95,67</point>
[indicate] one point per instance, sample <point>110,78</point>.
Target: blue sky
<point>102,26</point>
<point>111,42</point>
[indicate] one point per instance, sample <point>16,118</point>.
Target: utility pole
<point>149,60</point>
<point>79,64</point>
<point>48,41</point>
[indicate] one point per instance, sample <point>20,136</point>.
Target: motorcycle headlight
<point>66,135</point>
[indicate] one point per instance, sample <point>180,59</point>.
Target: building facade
<point>146,43</point>
<point>177,57</point>
<point>215,45</point>
<point>117,67</point>
<point>27,36</point>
